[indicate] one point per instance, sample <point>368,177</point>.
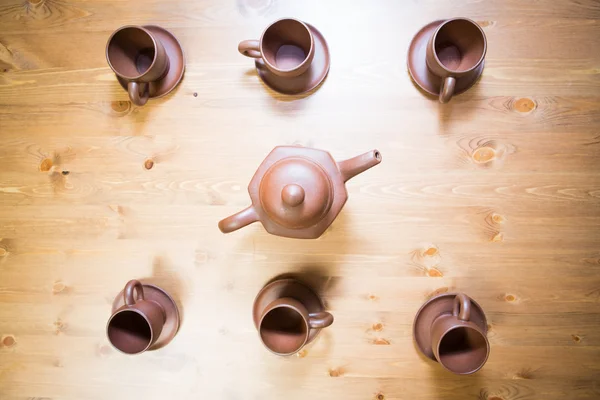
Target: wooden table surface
<point>496,194</point>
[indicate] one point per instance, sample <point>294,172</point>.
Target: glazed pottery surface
<point>452,329</point>
<point>288,315</point>
<point>292,57</point>
<point>297,192</point>
<point>446,57</point>
<point>148,61</point>
<point>146,322</point>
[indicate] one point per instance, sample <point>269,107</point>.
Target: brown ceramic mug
<point>456,49</point>
<point>137,325</point>
<point>458,344</point>
<point>138,57</point>
<point>285,325</point>
<point>287,47</point>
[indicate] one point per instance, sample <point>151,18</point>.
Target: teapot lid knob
<point>292,195</point>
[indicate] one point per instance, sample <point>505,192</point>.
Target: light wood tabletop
<point>496,194</point>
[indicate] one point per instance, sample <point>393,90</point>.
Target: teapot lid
<point>296,192</point>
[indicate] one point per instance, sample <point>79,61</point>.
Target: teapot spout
<point>356,165</point>
<point>238,220</point>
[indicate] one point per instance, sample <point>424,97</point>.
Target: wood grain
<point>496,194</point>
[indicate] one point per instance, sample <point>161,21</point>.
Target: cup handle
<point>320,320</point>
<point>447,89</point>
<point>462,307</point>
<point>128,293</point>
<point>250,48</point>
<point>138,92</point>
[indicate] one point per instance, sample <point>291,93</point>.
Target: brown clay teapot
<point>297,192</point>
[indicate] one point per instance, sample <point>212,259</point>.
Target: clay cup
<point>138,57</point>
<point>285,325</point>
<point>136,326</point>
<point>287,47</point>
<point>458,344</point>
<point>455,50</point>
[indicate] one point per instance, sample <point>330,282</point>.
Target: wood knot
<point>8,341</point>
<point>526,373</point>
<point>576,338</point>
<point>195,94</point>
<point>381,342</point>
<point>3,252</point>
<point>426,256</point>
<point>510,297</point>
<point>378,327</point>
<point>498,237</point>
<point>483,24</point>
<point>120,106</point>
<point>214,198</point>
<point>483,154</point>
<point>223,331</point>
<point>439,291</point>
<point>104,350</point>
<point>201,257</point>
<point>336,372</point>
<point>431,251</point>
<point>372,297</point>
<point>302,353</point>
<point>379,396</point>
<point>498,219</point>
<point>148,164</point>
<point>45,165</point>
<point>117,208</point>
<point>65,172</point>
<point>58,287</point>
<point>524,105</point>
<point>59,326</point>
<point>434,273</point>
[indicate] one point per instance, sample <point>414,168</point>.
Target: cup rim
<point>122,310</point>
<point>308,57</point>
<point>467,325</point>
<point>483,53</point>
<point>147,32</point>
<point>306,335</point>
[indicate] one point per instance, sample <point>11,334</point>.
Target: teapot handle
<point>238,220</point>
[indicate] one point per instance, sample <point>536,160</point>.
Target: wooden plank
<point>91,16</point>
<point>496,194</point>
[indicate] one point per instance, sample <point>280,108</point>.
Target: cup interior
<point>129,332</point>
<point>286,44</point>
<point>131,52</point>
<point>460,45</point>
<point>283,330</point>
<point>463,350</point>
